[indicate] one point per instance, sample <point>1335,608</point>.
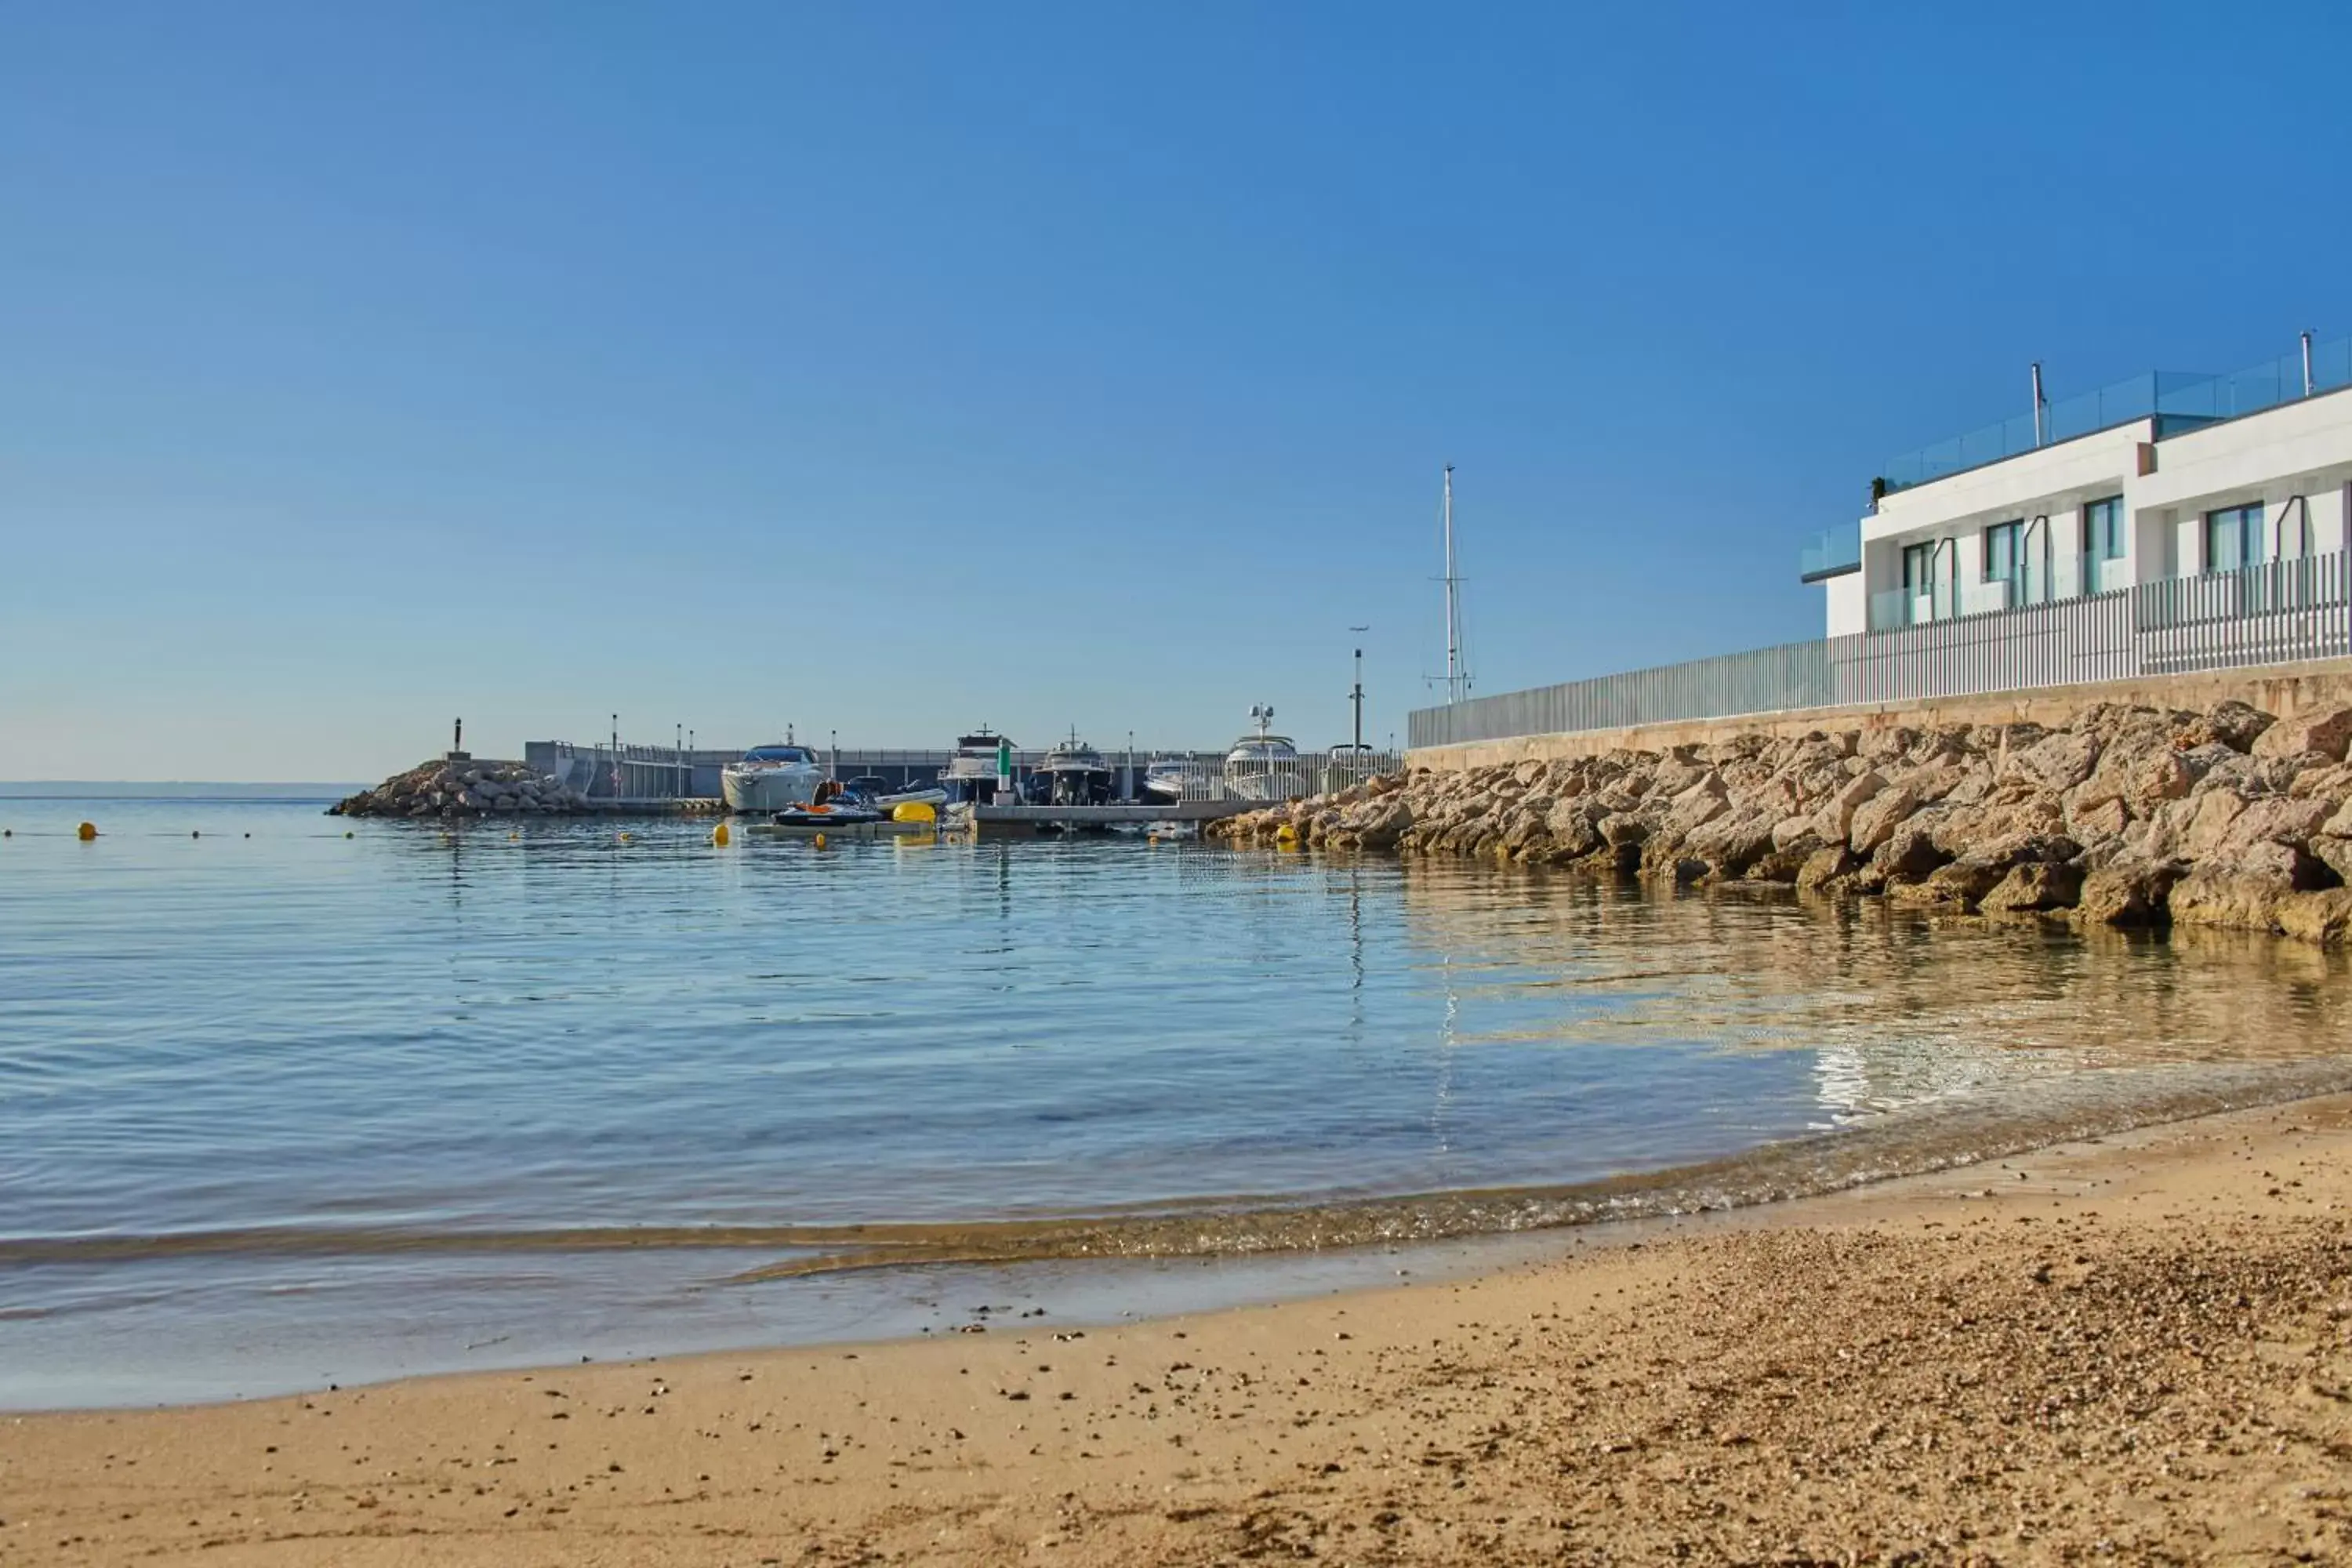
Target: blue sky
<point>889,369</point>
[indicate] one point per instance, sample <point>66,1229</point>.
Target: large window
<point>1918,569</point>
<point>2003,556</point>
<point>2103,529</point>
<point>2234,538</point>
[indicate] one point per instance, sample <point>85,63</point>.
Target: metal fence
<point>2276,612</point>
<point>1285,778</point>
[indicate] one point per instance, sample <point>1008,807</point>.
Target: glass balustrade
<point>1830,552</point>
<point>2177,400</point>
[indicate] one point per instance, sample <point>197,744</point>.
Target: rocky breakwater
<point>461,787</point>
<point>2123,816</point>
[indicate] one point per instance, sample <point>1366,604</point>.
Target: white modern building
<point>2163,476</point>
<point>2166,525</point>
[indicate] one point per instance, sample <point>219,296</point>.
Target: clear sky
<point>889,369</point>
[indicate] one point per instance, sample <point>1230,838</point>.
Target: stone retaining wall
<point>2283,689</point>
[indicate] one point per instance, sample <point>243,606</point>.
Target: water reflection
<point>221,1054</point>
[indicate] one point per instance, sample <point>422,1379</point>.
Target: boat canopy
<point>983,742</point>
<point>779,754</point>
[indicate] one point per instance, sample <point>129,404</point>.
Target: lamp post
<point>1356,698</point>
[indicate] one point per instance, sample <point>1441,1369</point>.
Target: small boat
<point>1166,778</point>
<point>874,790</point>
<point>771,778</point>
<point>1075,774</point>
<point>971,775</point>
<point>1264,766</point>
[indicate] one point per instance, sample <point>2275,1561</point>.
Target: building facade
<point>2162,476</point>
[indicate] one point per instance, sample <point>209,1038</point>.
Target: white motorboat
<point>1166,778</point>
<point>774,777</point>
<point>1265,766</point>
<point>971,775</point>
<point>1076,774</point>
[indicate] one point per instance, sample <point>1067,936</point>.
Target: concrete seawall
<point>2286,690</point>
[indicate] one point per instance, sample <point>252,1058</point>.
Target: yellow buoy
<point>1286,834</point>
<point>820,840</point>
<point>719,836</point>
<point>913,811</point>
<point>625,838</point>
<point>86,832</point>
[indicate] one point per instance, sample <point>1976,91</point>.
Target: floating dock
<point>1029,821</point>
<point>842,830</point>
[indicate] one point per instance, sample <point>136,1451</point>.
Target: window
<point>2233,538</point>
<point>2103,529</point>
<point>2002,556</point>
<point>1918,569</point>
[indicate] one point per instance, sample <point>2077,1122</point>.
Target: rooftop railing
<point>2179,399</point>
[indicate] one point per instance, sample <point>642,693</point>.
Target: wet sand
<point>2138,1350</point>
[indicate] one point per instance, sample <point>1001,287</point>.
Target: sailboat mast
<point>1453,602</point>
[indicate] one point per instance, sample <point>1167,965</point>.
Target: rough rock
<point>2326,733</point>
<point>2123,816</point>
<point>1876,819</point>
<point>2037,884</point>
<point>461,789</point>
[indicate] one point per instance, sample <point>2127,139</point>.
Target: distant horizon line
<point>20,786</point>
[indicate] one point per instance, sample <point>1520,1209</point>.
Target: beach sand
<point>2137,1350</point>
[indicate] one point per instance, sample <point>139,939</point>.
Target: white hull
<point>768,789</point>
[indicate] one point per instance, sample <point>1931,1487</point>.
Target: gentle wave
<point>1902,1144</point>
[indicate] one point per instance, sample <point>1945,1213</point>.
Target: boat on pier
<point>982,757</point>
<point>1075,774</point>
<point>774,778</point>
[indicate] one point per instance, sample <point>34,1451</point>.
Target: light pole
<point>1357,697</point>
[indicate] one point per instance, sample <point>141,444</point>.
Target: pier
<point>654,780</point>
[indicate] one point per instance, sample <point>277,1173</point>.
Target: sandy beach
<point>2138,1350</point>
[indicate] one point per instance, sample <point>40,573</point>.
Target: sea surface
<point>287,1101</point>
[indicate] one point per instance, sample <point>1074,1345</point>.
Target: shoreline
<point>2118,1302</point>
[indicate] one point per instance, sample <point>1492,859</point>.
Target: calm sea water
<point>280,1105</point>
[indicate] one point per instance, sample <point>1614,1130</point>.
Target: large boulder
<point>2324,917</point>
<point>2033,887</point>
<point>2273,819</point>
<point>1876,819</point>
<point>2234,724</point>
<point>1825,866</point>
<point>2326,733</point>
<point>2059,762</point>
<point>2127,893</point>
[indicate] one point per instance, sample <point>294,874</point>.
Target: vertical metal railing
<point>1277,778</point>
<point>2278,612</point>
